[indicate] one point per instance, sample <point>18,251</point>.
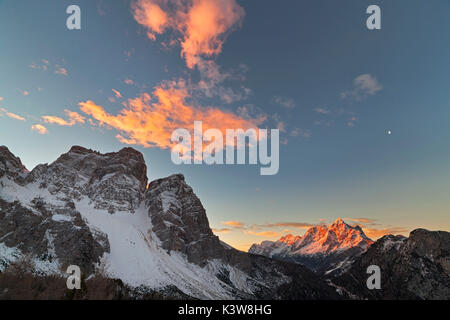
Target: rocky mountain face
<point>328,250</point>
<point>51,233</point>
<point>98,212</point>
<point>417,267</point>
<point>112,181</point>
<point>180,221</point>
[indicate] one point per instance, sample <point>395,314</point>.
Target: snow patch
<point>8,255</point>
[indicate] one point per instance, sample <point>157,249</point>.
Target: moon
<point>389,132</point>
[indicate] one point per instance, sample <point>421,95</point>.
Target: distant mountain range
<point>99,212</point>
<point>323,249</point>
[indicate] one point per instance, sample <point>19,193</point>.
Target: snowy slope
<point>135,256</point>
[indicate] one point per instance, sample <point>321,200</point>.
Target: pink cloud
<point>117,93</point>
<point>60,70</point>
<point>201,26</point>
<point>150,121</point>
<point>74,118</point>
<point>11,115</point>
<point>39,129</point>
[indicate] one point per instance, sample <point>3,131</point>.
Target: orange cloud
<point>300,225</point>
<point>369,227</point>
<point>149,121</point>
<point>221,230</point>
<point>201,26</point>
<point>128,81</point>
<point>12,115</point>
<point>267,234</point>
<point>74,118</point>
<point>365,221</point>
<point>39,129</point>
<point>117,93</point>
<point>60,70</point>
<point>378,233</point>
<point>234,224</point>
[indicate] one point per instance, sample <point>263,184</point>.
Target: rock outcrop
<point>113,181</point>
<point>417,267</point>
<point>180,221</point>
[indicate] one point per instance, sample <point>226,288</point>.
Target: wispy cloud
<point>299,225</point>
<point>284,102</point>
<point>74,118</point>
<point>234,224</point>
<point>297,132</point>
<point>374,229</point>
<point>11,115</point>
<point>375,233</point>
<point>39,129</point>
<point>265,234</point>
<point>365,221</point>
<point>129,53</point>
<point>60,70</point>
<point>322,110</point>
<point>352,121</point>
<point>363,86</point>
<point>221,230</point>
<point>117,93</point>
<point>212,79</point>
<point>45,64</point>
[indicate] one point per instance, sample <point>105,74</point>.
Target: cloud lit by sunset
<point>74,118</point>
<point>11,114</point>
<point>39,128</point>
<point>150,120</point>
<point>200,26</point>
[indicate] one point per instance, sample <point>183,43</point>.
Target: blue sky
<point>295,62</point>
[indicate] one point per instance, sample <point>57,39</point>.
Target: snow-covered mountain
<point>97,211</point>
<point>326,249</point>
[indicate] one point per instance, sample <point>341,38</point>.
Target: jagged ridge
<point>321,248</point>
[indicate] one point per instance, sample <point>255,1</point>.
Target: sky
<point>363,114</point>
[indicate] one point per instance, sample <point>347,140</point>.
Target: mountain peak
<point>81,150</point>
<point>114,181</point>
<point>289,239</point>
<point>340,224</point>
<point>318,245</point>
<point>10,164</point>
